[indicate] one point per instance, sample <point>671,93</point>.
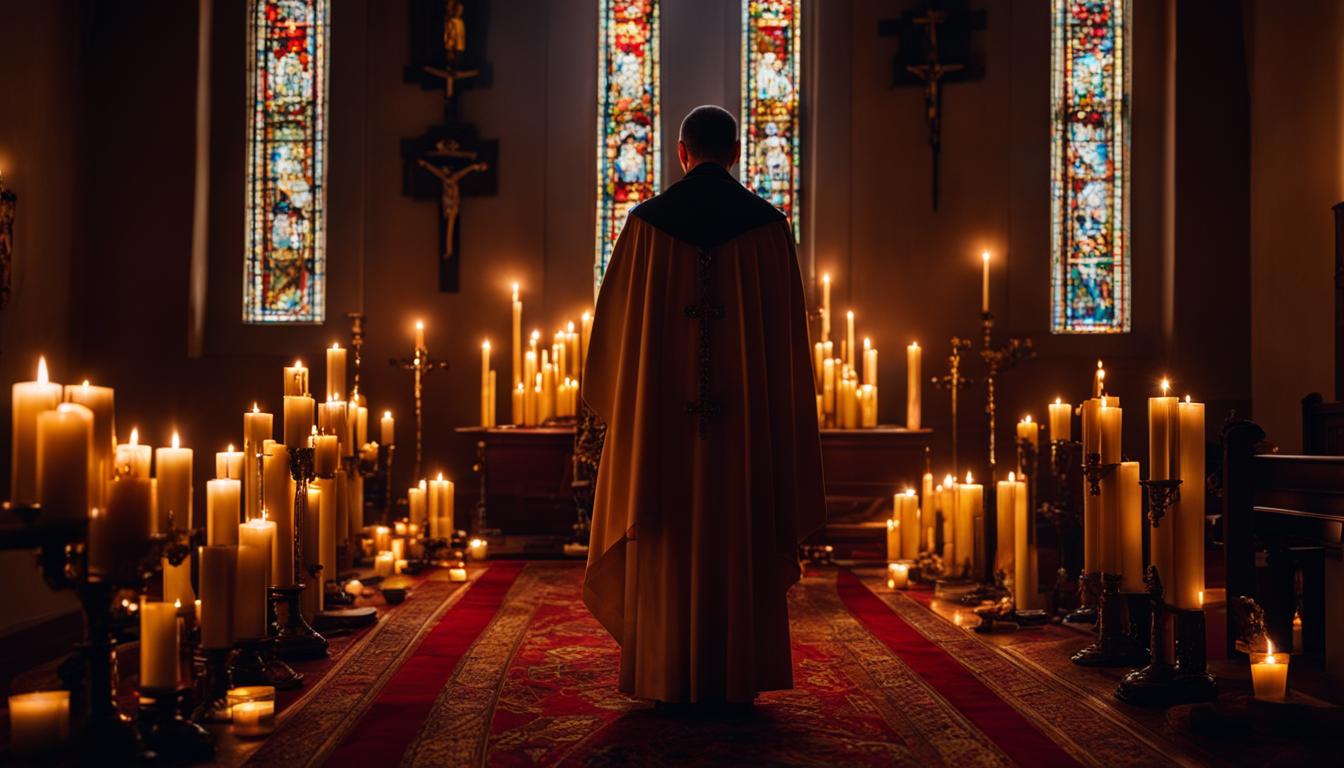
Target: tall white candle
<point>1163,436</point>
<point>229,464</point>
<point>984,282</point>
<point>914,385</point>
<point>30,398</point>
<point>260,534</point>
<point>826,307</point>
<point>1188,513</point>
<point>1025,592</point>
<point>1061,421</point>
<point>970,505</point>
<point>1007,493</point>
<point>850,353</point>
<point>326,531</point>
<point>249,592</point>
<point>296,379</point>
<point>158,646</point>
<point>1109,542</point>
<point>486,394</point>
<point>298,420</point>
<point>279,506</point>
<point>387,429</point>
<point>172,470</point>
<point>222,511</point>
<point>132,458</point>
<point>517,351</point>
<point>336,358</point>
<point>417,505</point>
<point>65,470</point>
<point>101,402</point>
<point>1130,526</point>
<point>218,564</point>
<point>907,511</point>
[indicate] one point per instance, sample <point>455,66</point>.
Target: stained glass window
<point>629,159</point>
<point>771,51</point>
<point>1089,173</point>
<point>284,278</point>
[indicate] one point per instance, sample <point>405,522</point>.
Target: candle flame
<point>335,345</point>
<point>485,345</point>
<point>1012,477</point>
<point>387,414</point>
<point>914,345</point>
<point>314,432</point>
<point>984,256</point>
<point>177,603</point>
<point>1027,419</point>
<point>850,314</point>
<point>1058,401</point>
<point>440,478</point>
<point>135,436</point>
<point>177,441</point>
<point>419,325</point>
<point>230,448</point>
<point>298,363</point>
<point>41,370</point>
<point>255,409</point>
<point>1166,386</point>
<point>968,477</point>
<point>422,484</point>
<point>265,513</point>
<point>587,316</point>
<point>909,491</point>
<point>86,386</point>
<point>1269,657</point>
<point>949,481</point>
<point>938,488</point>
<point>891,524</point>
<point>1201,598</point>
<point>867,343</point>
<point>826,278</point>
<point>570,326</point>
<point>1187,398</point>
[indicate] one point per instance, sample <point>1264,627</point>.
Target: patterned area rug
<point>517,672</point>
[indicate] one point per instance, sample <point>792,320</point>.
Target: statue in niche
<point>450,201</point>
<point>454,48</point>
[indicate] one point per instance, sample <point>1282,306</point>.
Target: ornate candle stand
<point>998,359</point>
<point>954,382</point>
<point>356,345</point>
<point>294,637</point>
<point>421,366</point>
<point>1063,515</point>
<point>170,737</point>
<point>1178,672</point>
<point>1113,646</point>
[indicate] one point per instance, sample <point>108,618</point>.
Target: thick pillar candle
<point>1109,520</point>
<point>39,722</point>
<point>30,398</point>
<point>1061,421</point>
<point>249,591</point>
<point>387,429</point>
<point>1009,495</point>
<point>278,491</point>
<point>1131,524</point>
<point>869,363</point>
<point>298,420</point>
<point>132,458</point>
<point>229,464</point>
<point>326,531</point>
<point>417,504</point>
<point>296,379</point>
<point>336,358</point>
<point>258,427</point>
<point>1163,436</point>
<point>120,532</point>
<point>1029,431</point>
<point>907,511</point>
<point>914,385</point>
<point>440,507</point>
<point>172,470</point>
<point>100,401</point>
<point>217,581</point>
<point>1188,513</point>
<point>222,511</point>
<point>1026,594</point>
<point>158,646</point>
<point>260,534</point>
<point>65,470</point>
<point>970,505</point>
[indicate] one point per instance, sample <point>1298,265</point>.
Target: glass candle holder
<point>39,722</point>
<point>898,575</point>
<point>252,709</point>
<point>1269,675</point>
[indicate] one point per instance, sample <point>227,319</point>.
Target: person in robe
<point>710,476</point>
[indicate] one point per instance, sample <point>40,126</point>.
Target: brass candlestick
<point>954,382</point>
<point>421,365</point>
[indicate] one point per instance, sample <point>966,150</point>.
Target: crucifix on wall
<point>447,46</point>
<point>934,49</point>
<point>446,165</point>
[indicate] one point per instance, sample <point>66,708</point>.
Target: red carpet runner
<point>518,673</point>
<point>395,716</point>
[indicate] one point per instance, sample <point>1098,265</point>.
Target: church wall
<point>1297,170</point>
<point>39,158</point>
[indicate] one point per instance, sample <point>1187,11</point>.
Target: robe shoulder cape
<point>695,535</point>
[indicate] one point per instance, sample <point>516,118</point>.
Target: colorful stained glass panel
<point>1090,287</point>
<point>629,158</point>
<point>771,55</point>
<point>284,275</point>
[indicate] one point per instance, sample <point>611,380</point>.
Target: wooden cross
<point>705,311</point>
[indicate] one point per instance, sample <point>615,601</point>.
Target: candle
<point>158,646</point>
<point>419,334</point>
<point>1297,632</point>
<point>984,282</point>
<point>387,429</point>
<point>1163,436</point>
<point>30,398</point>
<point>384,564</point>
<point>333,418</point>
<point>826,307</point>
<point>441,524</point>
<point>177,582</point>
<point>1130,523</point>
<point>926,510</point>
<point>310,530</point>
<point>1061,424</point>
<point>907,511</point>
<point>1269,674</point>
<point>479,549</point>
<point>828,386</point>
<point>361,426</point>
<point>869,363</point>
<point>298,420</point>
<point>1029,431</point>
<point>38,721</point>
<point>486,393</point>
<point>120,532</point>
<point>1187,514</point>
<point>100,401</point>
<point>1099,382</point>
<point>259,534</point>
<point>278,492</point>
<point>382,539</point>
<point>969,498</point>
<point>132,458</point>
<point>1026,594</point>
<point>336,373</point>
<point>257,429</point>
<point>65,470</point>
<point>1108,542</point>
<point>326,455</point>
<point>326,529</point>
<point>898,575</point>
<point>249,590</point>
<point>1010,495</point>
<point>586,332</point>
<point>947,504</point>
<point>517,343</point>
<point>913,386</point>
<point>296,380</point>
<point>893,538</point>
<point>217,582</point>
<point>229,464</point>
<point>416,503</point>
<point>253,719</point>
<point>849,338</point>
<point>172,470</point>
<point>458,574</point>
<point>221,511</point>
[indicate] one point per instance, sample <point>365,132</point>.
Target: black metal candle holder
<point>172,739</point>
<point>294,637</point>
<point>1094,472</point>
<point>212,686</point>
<point>1113,647</point>
<point>1089,598</point>
<point>248,664</point>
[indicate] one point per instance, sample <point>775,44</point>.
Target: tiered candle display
<point>546,381</point>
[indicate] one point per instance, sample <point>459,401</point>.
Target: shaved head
<point>710,133</point>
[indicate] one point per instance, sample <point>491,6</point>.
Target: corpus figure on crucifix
<point>454,48</point>
<point>451,198</point>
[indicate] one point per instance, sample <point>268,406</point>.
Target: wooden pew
<point>1292,509</point>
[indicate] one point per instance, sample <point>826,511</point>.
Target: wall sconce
<point>8,202</point>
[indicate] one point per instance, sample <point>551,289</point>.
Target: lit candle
<point>1010,495</point>
<point>158,646</point>
<point>1163,436</point>
<point>1029,431</point>
<point>850,352</point>
<point>458,574</point>
<point>869,362</point>
<point>327,509</point>
<point>1099,383</point>
<point>417,503</point>
<point>479,549</point>
<point>914,385</point>
<point>382,539</point>
<point>298,420</point>
<point>30,398</point>
<point>296,379</point>
<point>258,427</point>
<point>586,332</point>
<point>279,508</point>
<point>1061,423</point>
<point>984,282</point>
<point>384,564</point>
<point>486,394</point>
<point>907,511</point>
<point>1187,514</point>
<point>517,345</point>
<point>419,334</point>
<point>361,426</point>
<point>132,458</point>
<point>898,575</point>
<point>1026,594</point>
<point>947,503</point>
<point>969,498</point>
<point>826,307</point>
<point>893,538</point>
<point>229,464</point>
<point>100,401</point>
<point>441,524</point>
<point>253,719</point>
<point>1109,520</point>
<point>259,533</point>
<point>326,455</point>
<point>39,721</point>
<point>926,510</point>
<point>65,470</point>
<point>1131,523</point>
<point>119,532</point>
<point>387,429</point>
<point>336,373</point>
<point>221,510</point>
<point>172,470</point>
<point>1269,675</point>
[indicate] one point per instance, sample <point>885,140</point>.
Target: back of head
<point>710,133</point>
